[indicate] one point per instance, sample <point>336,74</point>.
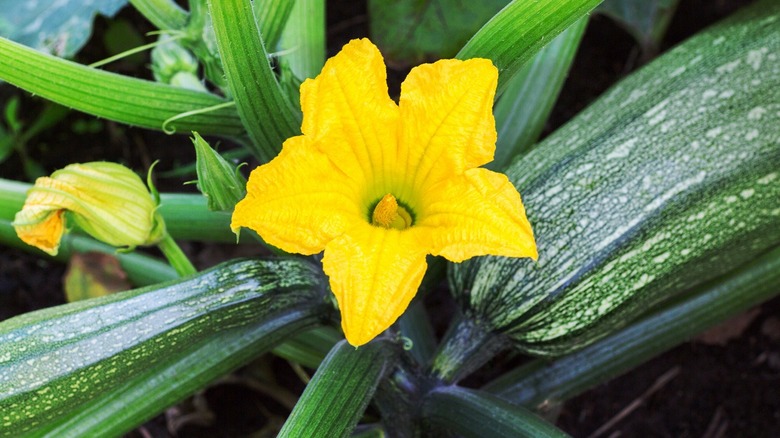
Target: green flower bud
<point>218,180</point>
<point>175,65</point>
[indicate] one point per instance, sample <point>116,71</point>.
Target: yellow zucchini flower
<point>106,200</point>
<point>379,185</point>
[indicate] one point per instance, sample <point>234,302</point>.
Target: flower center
<point>389,214</point>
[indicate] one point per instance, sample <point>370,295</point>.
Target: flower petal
<point>298,202</point>
<point>447,123</point>
<point>477,213</point>
<point>374,273</point>
<point>347,113</point>
<point>41,227</point>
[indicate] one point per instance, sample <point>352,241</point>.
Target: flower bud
<point>218,180</point>
<point>106,200</point>
<point>175,65</point>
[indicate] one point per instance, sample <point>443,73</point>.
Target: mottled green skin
<point>56,361</point>
<point>672,178</point>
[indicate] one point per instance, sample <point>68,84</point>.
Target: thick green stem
<point>467,346</point>
<point>472,413</point>
<point>271,17</point>
<point>269,117</point>
<point>176,256</point>
<point>336,397</point>
<point>164,14</point>
<point>510,45</point>
<point>304,38</point>
<point>113,96</point>
<point>530,95</point>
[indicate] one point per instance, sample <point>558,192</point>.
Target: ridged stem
<point>269,117</point>
<point>271,17</point>
<point>472,413</point>
<point>530,95</point>
<point>339,392</point>
<point>176,256</point>
<point>510,45</point>
<point>164,14</point>
<point>113,96</point>
<point>467,346</point>
<point>304,38</point>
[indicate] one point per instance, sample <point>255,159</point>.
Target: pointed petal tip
<point>374,274</point>
<point>359,339</point>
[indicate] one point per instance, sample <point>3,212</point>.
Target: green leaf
<point>265,111</point>
<point>710,304</point>
<point>524,107</point>
<point>100,367</point>
<point>472,413</point>
<point>645,20</point>
<point>412,31</point>
<point>59,28</point>
<point>340,390</point>
<point>113,96</point>
<point>520,30</point>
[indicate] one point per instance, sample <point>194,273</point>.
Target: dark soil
<point>712,390</point>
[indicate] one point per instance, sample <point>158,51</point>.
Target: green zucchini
<point>98,367</point>
<point>668,180</point>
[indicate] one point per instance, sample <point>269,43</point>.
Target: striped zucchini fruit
<point>61,368</point>
<point>670,179</point>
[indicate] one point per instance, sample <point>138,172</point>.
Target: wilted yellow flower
<point>106,200</point>
<point>379,186</point>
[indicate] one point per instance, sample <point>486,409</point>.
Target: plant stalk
<point>468,345</point>
<point>176,256</point>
